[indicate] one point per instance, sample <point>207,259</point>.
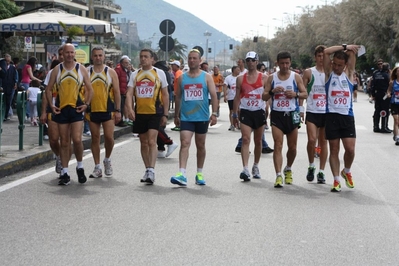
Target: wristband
<point>234,115</point>
<point>215,113</point>
<point>167,117</point>
<point>301,109</point>
<point>271,93</point>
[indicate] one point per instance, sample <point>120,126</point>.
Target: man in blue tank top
<point>192,115</point>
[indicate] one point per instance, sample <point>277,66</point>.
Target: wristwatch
<point>344,45</point>
<point>118,110</point>
<point>167,117</point>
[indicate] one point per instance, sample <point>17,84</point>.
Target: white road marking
<point>49,170</point>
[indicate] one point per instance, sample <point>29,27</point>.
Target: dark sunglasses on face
<point>250,59</point>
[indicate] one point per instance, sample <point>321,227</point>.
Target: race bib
<point>319,102</point>
<point>193,92</point>
<point>145,89</point>
<point>396,99</point>
<point>281,103</point>
<point>252,101</point>
<point>340,99</point>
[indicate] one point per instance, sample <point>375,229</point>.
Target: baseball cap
<point>177,63</point>
<point>252,55</point>
<point>125,57</point>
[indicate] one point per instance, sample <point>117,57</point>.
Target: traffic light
<point>256,39</point>
<point>209,50</point>
<point>231,47</point>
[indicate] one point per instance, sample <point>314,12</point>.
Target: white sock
<point>80,165</point>
<point>183,171</point>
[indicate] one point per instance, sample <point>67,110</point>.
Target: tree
<point>71,31</point>
<point>8,9</point>
<point>177,53</point>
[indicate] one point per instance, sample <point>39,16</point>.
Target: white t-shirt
<point>230,81</point>
<point>32,93</point>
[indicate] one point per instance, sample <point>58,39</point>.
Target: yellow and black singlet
<point>103,94</point>
<point>70,89</point>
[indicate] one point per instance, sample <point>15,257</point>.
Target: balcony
<point>107,5</point>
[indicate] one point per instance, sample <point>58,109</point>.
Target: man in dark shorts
<point>149,87</point>
<point>71,102</point>
<point>340,120</point>
<point>285,87</point>
<point>105,110</point>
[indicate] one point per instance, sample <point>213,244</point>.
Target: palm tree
<point>177,53</point>
<point>71,31</point>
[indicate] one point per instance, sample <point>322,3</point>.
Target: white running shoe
<point>97,172</point>
<point>161,154</point>
<point>255,172</point>
<point>108,167</point>
<point>171,148</point>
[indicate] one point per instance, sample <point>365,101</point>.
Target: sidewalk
<point>13,160</point>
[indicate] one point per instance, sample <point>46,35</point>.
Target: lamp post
<point>207,34</point>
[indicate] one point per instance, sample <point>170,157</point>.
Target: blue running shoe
<point>199,179</point>
<point>179,179</point>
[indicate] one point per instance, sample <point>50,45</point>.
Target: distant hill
<point>148,14</point>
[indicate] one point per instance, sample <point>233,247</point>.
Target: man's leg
<point>334,157</point>
<point>258,141</point>
<point>95,141</point>
<point>311,130</point>
<point>148,149</point>
<point>323,155</point>
<point>185,143</point>
<point>245,141</point>
<point>201,151</point>
<point>65,142</point>
<point>277,154</point>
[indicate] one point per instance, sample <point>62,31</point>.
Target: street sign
<point>199,48</point>
<point>28,42</point>
<point>166,42</point>
<point>167,27</point>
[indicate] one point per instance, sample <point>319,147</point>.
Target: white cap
<point>252,55</point>
<point>177,63</point>
<point>125,57</point>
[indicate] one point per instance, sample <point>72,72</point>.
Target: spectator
<point>123,73</point>
<point>9,80</point>
<point>32,92</point>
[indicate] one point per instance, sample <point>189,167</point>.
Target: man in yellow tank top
<point>149,87</point>
<point>68,109</point>
<point>105,110</point>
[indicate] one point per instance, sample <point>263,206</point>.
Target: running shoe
<point>245,176</point>
<point>310,175</point>
<point>267,150</point>
<point>336,186</point>
<point>199,179</point>
<point>175,129</point>
<point>64,180</point>
<point>97,173</point>
<point>58,165</point>
<point>279,182</point>
<point>397,142</point>
<point>81,175</point>
<point>108,167</point>
<point>171,148</point>
<point>348,179</point>
<point>232,128</point>
<point>149,177</point>
<point>179,179</point>
<point>320,178</point>
<point>255,172</point>
<point>161,154</point>
<point>288,177</point>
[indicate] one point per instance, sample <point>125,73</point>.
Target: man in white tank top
<point>340,121</point>
<point>314,80</point>
<point>285,87</point>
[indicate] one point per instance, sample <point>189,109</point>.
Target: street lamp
<point>282,21</point>
<point>267,26</point>
<point>207,34</point>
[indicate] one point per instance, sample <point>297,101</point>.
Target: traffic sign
<point>166,41</point>
<point>167,27</point>
<point>28,42</point>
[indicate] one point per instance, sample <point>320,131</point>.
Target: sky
<point>248,18</point>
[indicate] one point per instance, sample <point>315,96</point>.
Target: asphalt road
<point>120,221</point>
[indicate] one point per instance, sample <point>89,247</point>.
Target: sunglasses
<point>250,60</point>
<point>379,63</point>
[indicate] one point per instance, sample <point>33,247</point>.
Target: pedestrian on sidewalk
<point>32,93</point>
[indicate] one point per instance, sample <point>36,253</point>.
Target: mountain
<point>148,14</point>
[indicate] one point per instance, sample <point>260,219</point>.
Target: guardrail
<point>21,112</point>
